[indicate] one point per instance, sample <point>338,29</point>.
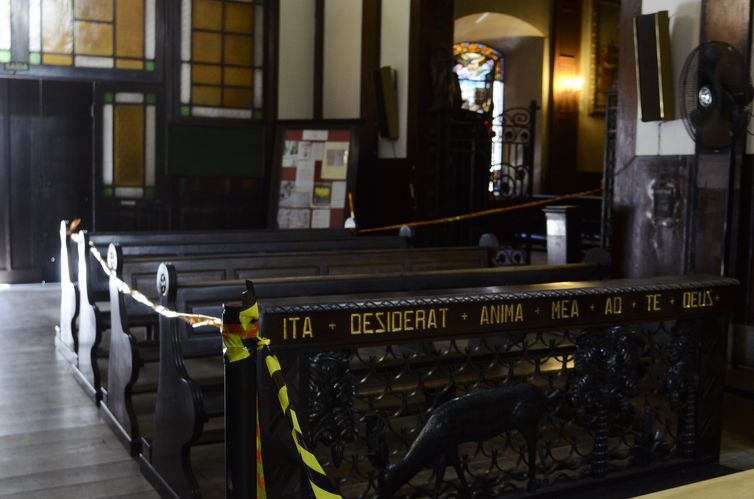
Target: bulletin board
<point>314,170</point>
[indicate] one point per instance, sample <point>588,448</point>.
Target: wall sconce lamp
<point>571,84</point>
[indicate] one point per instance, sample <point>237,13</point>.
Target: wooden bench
<point>187,409</point>
<point>66,338</point>
<point>656,344</point>
<point>93,285</point>
<point>127,354</point>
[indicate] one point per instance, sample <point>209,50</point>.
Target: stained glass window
<point>480,76</point>
<point>5,25</point>
<point>477,67</point>
<point>221,58</point>
<point>129,134</point>
<point>93,33</point>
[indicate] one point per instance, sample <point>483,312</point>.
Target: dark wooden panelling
<point>46,172</point>
<point>564,121</point>
<point>4,179</point>
<point>24,110</point>
<point>430,38</point>
<point>650,246</point>
<point>727,21</point>
<point>369,170</point>
<point>62,162</point>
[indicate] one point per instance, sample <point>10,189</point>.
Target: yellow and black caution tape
<point>233,336</point>
<point>484,213</point>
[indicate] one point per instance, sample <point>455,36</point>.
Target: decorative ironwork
<point>683,381</point>
<point>511,173</point>
<point>608,173</point>
<point>331,414</point>
<point>616,412</point>
<point>607,369</point>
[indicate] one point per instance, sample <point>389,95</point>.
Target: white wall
<point>394,38</point>
<point>341,80</point>
<point>296,60</point>
<point>670,137</point>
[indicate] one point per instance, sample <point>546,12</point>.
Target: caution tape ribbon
<point>196,320</point>
<point>484,213</point>
<point>233,336</point>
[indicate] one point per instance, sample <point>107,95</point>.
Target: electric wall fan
<point>715,97</point>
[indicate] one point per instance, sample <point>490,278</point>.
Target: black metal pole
<point>240,427</point>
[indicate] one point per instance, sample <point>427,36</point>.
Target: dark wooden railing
<point>631,370</point>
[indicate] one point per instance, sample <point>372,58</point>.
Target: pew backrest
<point>207,297</point>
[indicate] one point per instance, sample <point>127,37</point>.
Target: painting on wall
<point>604,53</point>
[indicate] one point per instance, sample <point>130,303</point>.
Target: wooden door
<point>45,172</point>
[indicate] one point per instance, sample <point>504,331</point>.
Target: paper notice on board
<point>338,195</point>
<point>321,194</point>
<point>290,149</point>
<point>291,196</point>
<point>293,219</point>
<point>320,219</point>
<point>304,175</point>
<point>318,149</point>
<point>304,150</point>
<point>320,135</point>
<point>335,161</point>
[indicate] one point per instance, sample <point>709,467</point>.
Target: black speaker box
<point>653,67</point>
<point>387,103</point>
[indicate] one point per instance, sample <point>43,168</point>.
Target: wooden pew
<point>642,341</point>
<point>93,282</point>
<point>185,405</point>
<point>127,354</point>
<point>66,339</point>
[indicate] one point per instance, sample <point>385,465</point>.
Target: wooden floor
<point>54,444</point>
<point>52,440</point>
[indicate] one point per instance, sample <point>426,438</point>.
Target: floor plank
<point>53,442</point>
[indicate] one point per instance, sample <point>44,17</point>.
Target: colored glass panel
<point>205,96</point>
<point>94,38</point>
<point>237,97</point>
<point>57,60</point>
<point>57,27</point>
<point>128,150</point>
<point>239,50</point>
<point>129,29</point>
<point>208,14</point>
<point>150,28</point>
<point>150,152</point>
<point>107,141</point>
<point>209,75</point>
<point>207,47</point>
<point>94,10</point>
<point>239,18</point>
<point>35,28</point>
<point>237,77</point>
<point>92,61</point>
<point>5,56</point>
<point>220,47</point>
<point>5,24</point>
<point>129,64</point>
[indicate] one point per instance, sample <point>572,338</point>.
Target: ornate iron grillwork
<point>511,173</point>
<point>620,397</point>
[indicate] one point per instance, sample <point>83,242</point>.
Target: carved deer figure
<point>470,418</point>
